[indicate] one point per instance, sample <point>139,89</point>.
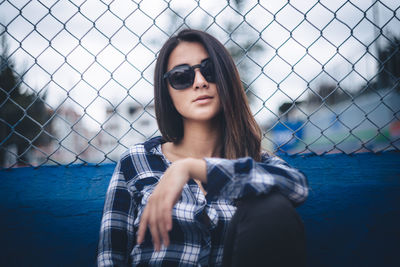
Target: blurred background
<point>76,77</point>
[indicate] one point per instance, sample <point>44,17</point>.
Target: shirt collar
<point>152,145</point>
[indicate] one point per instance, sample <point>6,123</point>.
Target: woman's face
<point>200,101</point>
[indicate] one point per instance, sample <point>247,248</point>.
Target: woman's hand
<point>157,214</point>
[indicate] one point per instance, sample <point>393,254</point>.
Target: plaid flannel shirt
<point>194,240</point>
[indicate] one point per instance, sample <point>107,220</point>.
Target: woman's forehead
<point>191,53</point>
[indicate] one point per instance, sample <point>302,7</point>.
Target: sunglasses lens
<point>207,71</point>
<point>181,78</point>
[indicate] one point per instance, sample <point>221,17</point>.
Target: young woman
<point>203,194</point>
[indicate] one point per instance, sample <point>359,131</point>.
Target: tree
<point>389,64</point>
<point>328,93</point>
<point>23,115</point>
<point>237,54</point>
<point>286,108</point>
<point>388,69</point>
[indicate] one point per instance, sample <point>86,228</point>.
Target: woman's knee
<point>273,206</point>
<point>269,227</point>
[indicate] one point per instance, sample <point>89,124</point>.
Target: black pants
<point>265,231</point>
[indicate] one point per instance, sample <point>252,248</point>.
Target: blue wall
<point>51,216</point>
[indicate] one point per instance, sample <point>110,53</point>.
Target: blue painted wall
<point>51,216</point>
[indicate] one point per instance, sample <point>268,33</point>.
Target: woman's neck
<point>201,139</point>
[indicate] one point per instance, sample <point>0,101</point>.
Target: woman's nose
<point>199,80</point>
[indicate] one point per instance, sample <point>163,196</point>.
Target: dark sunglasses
<point>182,76</point>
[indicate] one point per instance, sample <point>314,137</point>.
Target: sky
<point>90,55</point>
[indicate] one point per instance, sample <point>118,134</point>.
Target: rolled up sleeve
<point>233,179</point>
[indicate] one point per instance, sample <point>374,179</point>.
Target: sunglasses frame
<point>191,71</point>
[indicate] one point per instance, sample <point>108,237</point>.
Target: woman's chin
<point>201,117</point>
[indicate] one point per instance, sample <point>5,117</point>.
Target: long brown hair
<point>240,132</point>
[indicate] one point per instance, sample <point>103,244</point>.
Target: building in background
<point>364,123</point>
<point>128,124</point>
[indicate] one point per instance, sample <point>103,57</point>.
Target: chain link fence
<point>76,76</point>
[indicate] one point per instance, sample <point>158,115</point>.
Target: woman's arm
<point>116,234</point>
<point>157,215</point>
<point>243,177</point>
<point>223,178</point>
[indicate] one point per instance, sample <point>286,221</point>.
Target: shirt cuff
<point>219,172</point>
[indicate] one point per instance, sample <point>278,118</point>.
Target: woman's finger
<point>163,213</point>
<point>166,213</point>
<point>155,233</point>
<point>168,220</point>
<point>142,226</point>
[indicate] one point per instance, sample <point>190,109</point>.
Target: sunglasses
<point>182,76</point>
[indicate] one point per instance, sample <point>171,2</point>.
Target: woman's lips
<point>203,99</point>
